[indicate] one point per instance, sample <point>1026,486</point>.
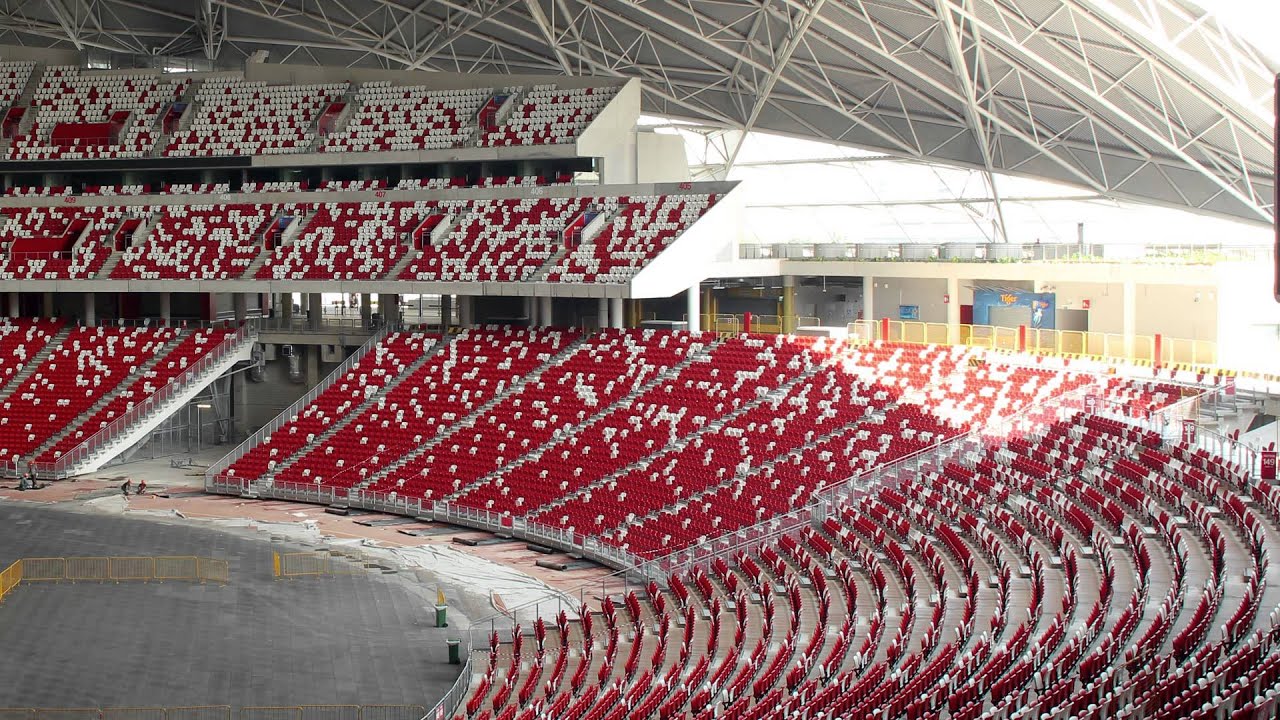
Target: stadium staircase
<point>265,482</point>
<point>469,421</point>
<point>24,101</point>
<point>585,241</point>
<point>536,454</point>
<point>184,122</point>
<point>36,361</point>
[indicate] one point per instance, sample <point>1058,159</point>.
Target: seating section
<point>56,243</point>
<point>199,242</point>
<point>239,117</point>
<point>193,346</point>
<point>640,228</point>
<point>21,341</point>
<point>90,363</point>
<point>82,115</point>
<point>14,76</point>
<point>392,118</point>
<point>547,115</point>
<point>351,241</point>
<point>496,240</point>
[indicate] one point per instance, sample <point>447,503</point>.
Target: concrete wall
<point>890,292</point>
<point>661,158</point>
<point>269,398</point>
<point>1248,329</point>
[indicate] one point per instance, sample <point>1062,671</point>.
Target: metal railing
<point>114,569</point>
<point>64,466</point>
<point>983,252</point>
<point>317,563</point>
<point>214,483</point>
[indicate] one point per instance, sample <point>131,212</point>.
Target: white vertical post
<point>953,310</point>
<point>13,304</point>
<point>616,319</point>
<point>166,308</point>
<point>868,300</point>
<point>466,311</point>
<point>602,312</point>
<point>90,309</point>
<point>545,318</point>
<point>693,307</point>
<point>1130,316</point>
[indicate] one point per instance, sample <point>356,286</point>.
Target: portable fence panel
<point>132,568</point>
<point>176,568</point>
<point>308,563</point>
<point>199,712</point>
<point>89,568</point>
<point>10,578</point>
<point>392,712</point>
<point>332,712</point>
<point>17,714</point>
<point>68,714</point>
<point>152,713</point>
<point>211,570</point>
<point>273,713</point>
<point>44,569</point>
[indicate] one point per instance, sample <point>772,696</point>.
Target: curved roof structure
<point>1153,100</point>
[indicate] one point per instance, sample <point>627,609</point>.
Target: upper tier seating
<point>641,228</point>
<point>198,242</point>
<point>390,118</point>
<point>240,117</point>
<point>13,80</point>
<point>196,189</point>
<point>547,115</point>
<point>95,115</point>
<point>39,191</point>
<point>88,365</point>
<point>348,241</point>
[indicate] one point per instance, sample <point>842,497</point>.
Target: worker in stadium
<point>142,486</point>
<point>124,489</point>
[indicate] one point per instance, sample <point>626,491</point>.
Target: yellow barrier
<point>115,569</point>
<point>271,713</point>
<point>39,569</point>
<point>333,712</point>
<point>17,713</point>
<point>88,569</point>
<point>319,562</point>
<point>177,568</point>
<point>392,712</point>
<point>199,712</point>
<point>10,578</point>
<point>210,570</point>
<point>67,714</point>
<point>149,713</point>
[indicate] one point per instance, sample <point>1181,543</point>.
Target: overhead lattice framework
<point>1143,99</point>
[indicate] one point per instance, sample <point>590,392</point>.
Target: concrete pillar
<point>446,310</point>
<point>13,304</point>
<point>315,307</point>
<point>708,309</point>
<point>953,310</point>
<point>602,312</point>
<point>389,308</point>
<point>90,309</point>
<point>545,318</point>
<point>868,304</point>
<point>286,307</point>
<point>1130,316</point>
<point>530,313</point>
<point>166,308</point>
<point>693,308</point>
<point>313,363</point>
<point>240,304</point>
<point>788,304</point>
<point>615,313</point>
<point>466,311</point>
<point>46,306</point>
<point>366,310</point>
<point>239,404</point>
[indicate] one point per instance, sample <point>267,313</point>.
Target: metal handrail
<point>61,467</point>
<point>289,413</point>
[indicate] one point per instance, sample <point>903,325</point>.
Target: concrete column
<point>240,303</point>
<point>239,404</point>
<point>953,310</point>
<point>602,312</point>
<point>1130,316</point>
<point>466,311</point>
<point>286,307</point>
<point>868,298</point>
<point>13,304</point>
<point>166,308</point>
<point>90,309</point>
<point>366,310</point>
<point>788,304</point>
<point>693,309</point>
<point>389,307</point>
<point>446,310</point>
<point>315,307</point>
<point>615,313</point>
<point>544,312</point>
<point>530,312</point>
<point>313,363</point>
<point>47,304</point>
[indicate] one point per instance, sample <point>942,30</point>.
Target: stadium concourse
<point>483,346</point>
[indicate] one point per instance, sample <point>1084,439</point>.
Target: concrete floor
<point>363,639</point>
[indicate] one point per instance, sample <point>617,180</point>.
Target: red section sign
<point>1230,388</point>
<point>1268,465</point>
<point>1084,304</point>
<point>1189,431</point>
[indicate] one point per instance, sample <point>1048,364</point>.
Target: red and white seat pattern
<point>116,190</point>
<point>347,241</point>
<point>196,189</point>
<point>352,185</point>
<point>497,240</point>
<point>67,96</point>
<point>39,191</point>
<point>20,340</point>
<point>198,242</point>
<point>641,228</point>
<point>14,76</point>
<point>56,243</point>
<point>548,115</point>
<point>272,186</point>
<point>90,362</point>
<point>240,117</point>
<point>391,118</point>
<point>188,352</point>
<point>383,365</point>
